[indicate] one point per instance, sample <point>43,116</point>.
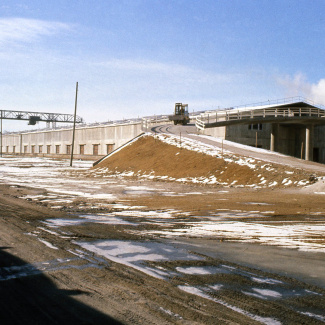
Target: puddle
<point>266,280</point>
<point>139,190</point>
<point>202,270</point>
<point>148,214</point>
<point>316,316</point>
<point>135,254</point>
<point>276,292</point>
<point>264,293</point>
<point>256,203</point>
<point>18,271</point>
<point>108,219</point>
<point>204,293</point>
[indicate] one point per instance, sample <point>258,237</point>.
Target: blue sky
<point>138,57</point>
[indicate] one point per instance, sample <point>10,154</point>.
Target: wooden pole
<point>74,124</point>
<point>222,147</point>
<point>21,144</point>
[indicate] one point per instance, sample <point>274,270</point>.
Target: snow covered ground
<point>289,234</point>
<point>62,186</point>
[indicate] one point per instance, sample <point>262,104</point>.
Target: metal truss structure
<point>33,117</point>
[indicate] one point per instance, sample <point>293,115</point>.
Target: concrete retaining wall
<point>92,141</point>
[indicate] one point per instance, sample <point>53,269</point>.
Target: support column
<point>309,142</point>
<point>274,137</point>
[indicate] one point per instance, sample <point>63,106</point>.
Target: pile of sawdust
<point>149,155</point>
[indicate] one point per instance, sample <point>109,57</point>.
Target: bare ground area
<point>92,247</point>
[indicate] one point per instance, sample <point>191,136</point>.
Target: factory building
<point>91,141</point>
<point>294,128</point>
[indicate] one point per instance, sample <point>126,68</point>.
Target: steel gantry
<point>34,117</point>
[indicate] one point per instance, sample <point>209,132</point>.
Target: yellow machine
<point>181,115</point>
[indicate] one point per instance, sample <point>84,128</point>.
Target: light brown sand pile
<point>150,155</point>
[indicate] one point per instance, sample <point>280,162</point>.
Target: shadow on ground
<point>29,297</point>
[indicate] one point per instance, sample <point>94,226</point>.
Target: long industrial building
<point>91,141</point>
<point>294,127</point>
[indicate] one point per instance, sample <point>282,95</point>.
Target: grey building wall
<point>89,140</point>
<point>251,134</point>
<point>290,138</point>
<point>319,144</point>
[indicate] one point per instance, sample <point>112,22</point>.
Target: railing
<point>271,112</point>
<point>274,112</point>
<point>200,124</point>
<point>147,122</point>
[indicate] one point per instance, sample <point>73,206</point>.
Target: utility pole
<point>222,148</point>
<point>74,124</point>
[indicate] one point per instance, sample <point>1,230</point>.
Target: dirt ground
<point>71,257</point>
<point>149,155</point>
<point>71,285</point>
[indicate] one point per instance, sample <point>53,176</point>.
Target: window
<point>40,149</point>
<point>25,149</point>
<point>7,149</point>
<point>14,149</point>
<point>95,149</point>
<point>48,149</point>
<point>109,148</point>
<point>57,149</point>
<point>68,149</point>
<point>33,149</point>
<point>82,149</point>
<point>257,127</point>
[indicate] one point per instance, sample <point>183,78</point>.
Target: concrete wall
<point>93,141</point>
<point>244,134</point>
<point>250,135</point>
<point>290,138</point>
<point>319,144</point>
<point>219,132</point>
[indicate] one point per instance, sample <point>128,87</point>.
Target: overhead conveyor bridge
<point>33,117</point>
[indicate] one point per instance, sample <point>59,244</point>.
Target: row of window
<point>57,149</point>
<point>257,127</point>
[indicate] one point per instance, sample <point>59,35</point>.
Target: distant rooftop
<point>281,102</point>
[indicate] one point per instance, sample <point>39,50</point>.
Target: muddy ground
<point>231,240</point>
<point>48,275</point>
